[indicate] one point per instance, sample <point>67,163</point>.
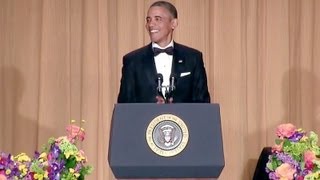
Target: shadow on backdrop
<point>18,132</point>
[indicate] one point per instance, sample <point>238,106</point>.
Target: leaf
<point>71,162</point>
<point>86,170</point>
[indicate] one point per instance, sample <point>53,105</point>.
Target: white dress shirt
<point>163,63</point>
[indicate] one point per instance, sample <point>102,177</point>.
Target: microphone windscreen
<point>159,77</point>
<point>173,77</point>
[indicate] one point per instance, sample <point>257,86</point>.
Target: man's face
<point>160,25</point>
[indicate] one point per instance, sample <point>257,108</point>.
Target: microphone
<point>159,82</point>
<point>173,79</point>
<point>172,86</point>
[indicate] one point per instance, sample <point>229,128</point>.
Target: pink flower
<point>285,130</point>
<point>309,156</point>
<point>2,177</point>
<point>285,171</point>
<point>299,178</point>
<point>75,132</point>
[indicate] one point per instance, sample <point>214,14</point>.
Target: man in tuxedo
<point>163,71</point>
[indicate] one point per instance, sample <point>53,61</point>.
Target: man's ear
<point>174,23</point>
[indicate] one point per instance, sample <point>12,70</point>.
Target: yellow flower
<point>22,157</point>
<point>22,166</point>
<point>76,175</point>
<point>71,170</point>
<point>23,169</point>
<point>45,163</point>
<point>79,157</point>
<point>8,171</point>
<point>43,155</point>
<point>68,154</point>
<point>46,174</point>
<point>38,176</point>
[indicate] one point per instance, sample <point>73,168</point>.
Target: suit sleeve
<point>127,83</point>
<point>200,88</point>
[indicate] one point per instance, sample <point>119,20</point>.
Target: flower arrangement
<point>59,159</point>
<point>295,155</point>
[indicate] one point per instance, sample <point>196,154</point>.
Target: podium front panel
<point>131,157</point>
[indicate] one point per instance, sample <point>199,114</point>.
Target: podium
<point>166,141</point>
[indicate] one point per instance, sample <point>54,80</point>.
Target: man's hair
<point>170,7</point>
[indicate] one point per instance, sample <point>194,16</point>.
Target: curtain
<point>62,59</point>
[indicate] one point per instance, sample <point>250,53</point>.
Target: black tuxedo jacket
<point>139,76</point>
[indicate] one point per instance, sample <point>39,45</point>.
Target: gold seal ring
<point>167,135</point>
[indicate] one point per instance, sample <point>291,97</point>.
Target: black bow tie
<point>168,50</point>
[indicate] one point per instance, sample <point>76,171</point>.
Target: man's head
<point>161,20</point>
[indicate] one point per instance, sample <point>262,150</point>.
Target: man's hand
<point>160,100</point>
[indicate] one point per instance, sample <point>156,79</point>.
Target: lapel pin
<point>180,61</point>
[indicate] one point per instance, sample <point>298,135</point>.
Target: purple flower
<point>55,151</point>
<point>273,176</point>
<point>296,136</point>
<point>55,169</point>
<point>6,163</point>
<point>56,177</point>
<point>285,158</point>
<point>305,172</point>
<point>78,167</point>
<point>36,155</point>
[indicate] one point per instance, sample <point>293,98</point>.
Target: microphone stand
<point>159,87</point>
<point>168,95</point>
<point>170,89</point>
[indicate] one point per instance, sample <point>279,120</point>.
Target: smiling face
<point>160,25</point>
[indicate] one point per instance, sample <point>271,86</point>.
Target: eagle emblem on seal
<point>167,135</point>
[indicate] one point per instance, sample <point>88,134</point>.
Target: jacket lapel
<point>150,66</point>
<point>178,61</point>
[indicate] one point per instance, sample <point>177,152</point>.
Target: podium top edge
<point>167,105</point>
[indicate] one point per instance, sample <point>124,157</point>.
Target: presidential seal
<point>167,135</point>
